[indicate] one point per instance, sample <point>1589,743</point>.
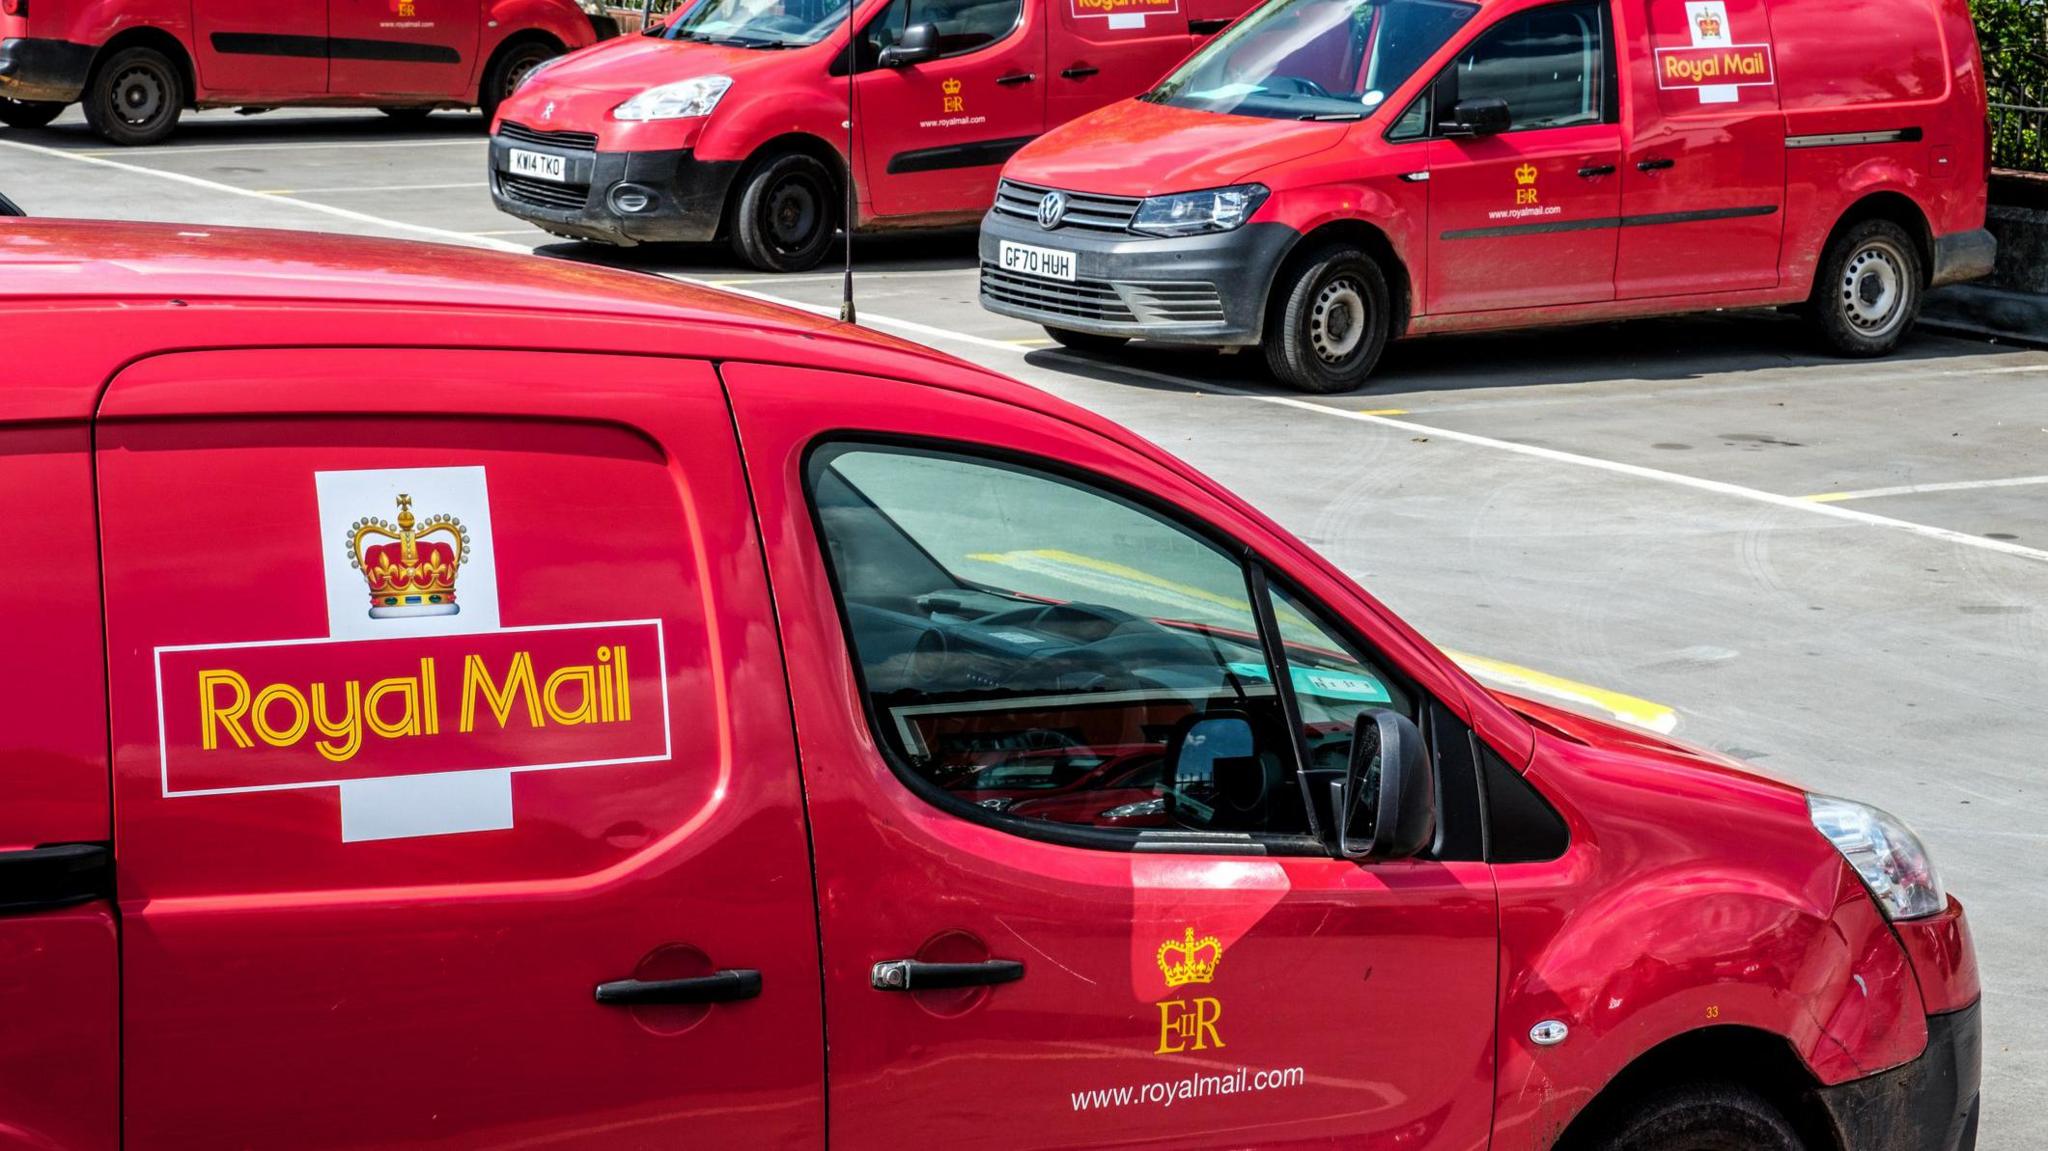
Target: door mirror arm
<point>1402,806</point>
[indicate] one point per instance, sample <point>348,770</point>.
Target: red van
<point>731,120</point>
<point>136,65</point>
<point>399,747</point>
<point>1330,175</point>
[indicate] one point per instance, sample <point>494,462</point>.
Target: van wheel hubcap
<point>1336,324</point>
<point>138,95</point>
<point>1874,289</point>
<point>793,214</point>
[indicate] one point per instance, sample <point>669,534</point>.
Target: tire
<point>506,71</point>
<point>1328,321</point>
<point>409,117</point>
<point>1866,294</point>
<point>1713,1117</point>
<point>786,214</point>
<point>1086,341</point>
<point>135,97</point>
<point>29,113</point>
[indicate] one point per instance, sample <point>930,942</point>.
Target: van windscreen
<point>1313,59</point>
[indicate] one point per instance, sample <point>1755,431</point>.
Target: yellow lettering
<point>259,715</point>
<point>1189,1026</point>
<point>408,721</point>
<point>228,717</point>
<point>348,729</point>
<point>625,690</point>
<point>518,686</point>
<point>430,696</point>
<point>585,677</point>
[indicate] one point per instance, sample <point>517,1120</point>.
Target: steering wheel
<point>1295,85</point>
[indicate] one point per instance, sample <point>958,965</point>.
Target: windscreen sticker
<point>418,706</point>
<point>1125,13</point>
<point>1323,683</point>
<point>1714,65</point>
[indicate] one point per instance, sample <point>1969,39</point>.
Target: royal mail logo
<point>1708,25</point>
<point>1125,13</point>
<point>1189,1024</point>
<point>1736,66</point>
<point>419,709</point>
<point>1189,960</point>
<point>1525,175</point>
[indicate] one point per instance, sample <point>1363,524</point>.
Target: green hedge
<point>2014,36</point>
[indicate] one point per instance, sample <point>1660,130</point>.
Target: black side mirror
<point>1400,801</point>
<point>919,42</point>
<point>1488,117</point>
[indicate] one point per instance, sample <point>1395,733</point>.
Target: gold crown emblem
<point>1197,959</point>
<point>1526,174</point>
<point>950,87</point>
<point>409,574</point>
<point>1709,24</point>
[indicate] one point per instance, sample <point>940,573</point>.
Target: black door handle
<point>1079,72</point>
<point>1207,27</point>
<point>1656,164</point>
<point>717,987</point>
<point>911,975</point>
<point>1592,170</point>
<point>1017,78</point>
<point>55,875</point>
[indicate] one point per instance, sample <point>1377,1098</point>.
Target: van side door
<point>456,792</point>
<point>260,48</point>
<point>1703,185</point>
<point>403,47</point>
<point>1527,217</point>
<point>1068,895</point>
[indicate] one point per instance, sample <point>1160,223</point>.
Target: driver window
<point>962,26</point>
<point>1048,651</point>
<point>1548,64</point>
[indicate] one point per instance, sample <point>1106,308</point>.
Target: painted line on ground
<point>1919,489</point>
<point>196,149</point>
<point>374,188</point>
<point>1514,677</point>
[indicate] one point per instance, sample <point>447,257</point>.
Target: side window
<point>1332,683</point>
<point>963,26</point>
<point>1051,652</point>
<point>1549,65</point>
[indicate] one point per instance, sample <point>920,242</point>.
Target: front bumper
<point>51,71</point>
<point>1929,1104</point>
<point>1208,290</point>
<point>685,196</point>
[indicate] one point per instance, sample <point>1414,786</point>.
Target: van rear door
<point>403,47</point>
<point>458,796</point>
<point>1703,185</point>
<point>260,48</point>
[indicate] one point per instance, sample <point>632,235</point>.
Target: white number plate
<point>1051,263</point>
<point>540,165</point>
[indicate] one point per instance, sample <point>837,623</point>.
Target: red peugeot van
<point>401,748</point>
<point>136,65</point>
<point>1330,175</point>
<point>731,120</point>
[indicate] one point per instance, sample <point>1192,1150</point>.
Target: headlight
<point>678,101</point>
<point>1193,213</point>
<point>1885,852</point>
<point>536,70</point>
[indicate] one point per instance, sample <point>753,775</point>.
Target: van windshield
<point>759,23</point>
<point>1313,59</point>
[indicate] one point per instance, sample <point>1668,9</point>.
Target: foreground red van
<point>682,762</point>
<point>136,65</point>
<point>730,121</point>
<point>1329,176</point>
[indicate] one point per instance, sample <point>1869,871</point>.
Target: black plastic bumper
<point>43,70</point>
<point>685,196</point>
<point>1207,290</point>
<point>1929,1104</point>
<point>1963,256</point>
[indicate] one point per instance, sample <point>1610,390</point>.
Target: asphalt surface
<point>1837,570</point>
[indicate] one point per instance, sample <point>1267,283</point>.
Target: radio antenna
<point>846,312</point>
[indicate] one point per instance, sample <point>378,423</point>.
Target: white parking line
<point>378,188</point>
<point>1918,489</point>
<point>193,149</point>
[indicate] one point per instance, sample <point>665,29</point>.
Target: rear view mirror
<point>919,42</point>
<point>1488,117</point>
<point>1395,807</point>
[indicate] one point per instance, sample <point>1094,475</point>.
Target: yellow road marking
<point>1384,412</point>
<point>1827,497</point>
<point>1031,342</point>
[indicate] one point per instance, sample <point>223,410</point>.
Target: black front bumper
<point>685,196</point>
<point>1207,290</point>
<point>45,71</point>
<point>1929,1104</point>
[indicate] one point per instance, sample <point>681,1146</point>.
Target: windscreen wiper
<point>1331,116</point>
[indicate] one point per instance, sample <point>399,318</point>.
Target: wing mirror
<point>1488,117</point>
<point>1385,806</point>
<point>919,42</point>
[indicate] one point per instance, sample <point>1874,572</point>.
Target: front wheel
<point>1867,291</point>
<point>1328,321</point>
<point>785,214</point>
<point>508,71</point>
<point>1703,1118</point>
<point>135,97</point>
<point>28,113</point>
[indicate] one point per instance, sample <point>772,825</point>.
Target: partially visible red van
<point>1332,174</point>
<point>136,65</point>
<point>731,120</point>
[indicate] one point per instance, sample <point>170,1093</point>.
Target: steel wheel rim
<point>1337,320</point>
<point>516,74</point>
<point>138,96</point>
<point>793,214</point>
<point>1873,288</point>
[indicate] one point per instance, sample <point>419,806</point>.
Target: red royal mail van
<point>403,746</point>
<point>1332,174</point>
<point>731,120</point>
<point>137,64</point>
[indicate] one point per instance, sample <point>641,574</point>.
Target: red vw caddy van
<point>417,749</point>
<point>1332,174</point>
<point>136,65</point>
<point>730,121</point>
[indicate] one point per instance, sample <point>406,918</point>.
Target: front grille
<point>521,134</point>
<point>543,193</point>
<point>1082,299</point>
<point>1177,302</point>
<point>1086,211</point>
